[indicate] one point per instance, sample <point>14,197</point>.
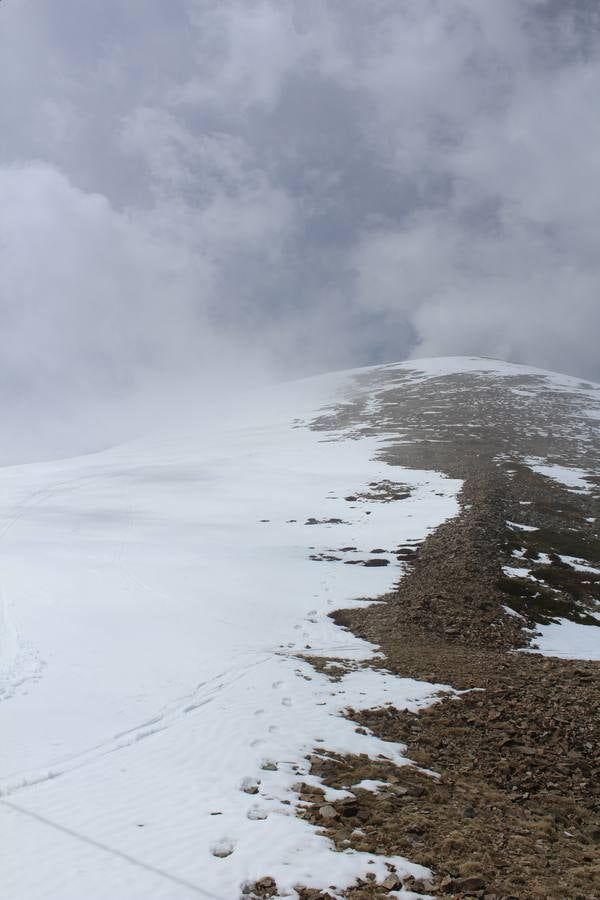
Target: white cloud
<point>110,308</point>
<point>310,183</point>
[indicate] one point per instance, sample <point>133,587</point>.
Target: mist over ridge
<point>208,195</point>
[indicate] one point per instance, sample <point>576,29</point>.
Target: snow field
<point>156,597</point>
<point>156,601</point>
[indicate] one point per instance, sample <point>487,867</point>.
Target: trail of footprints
<point>27,670</point>
<point>251,785</point>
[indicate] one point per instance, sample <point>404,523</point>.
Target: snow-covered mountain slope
<point>160,605</point>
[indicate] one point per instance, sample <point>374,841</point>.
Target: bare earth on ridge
<point>515,812</point>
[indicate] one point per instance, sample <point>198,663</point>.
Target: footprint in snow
<point>223,848</point>
<point>256,814</point>
<point>277,684</point>
<point>249,785</point>
<point>286,701</point>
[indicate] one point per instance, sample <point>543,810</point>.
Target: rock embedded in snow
<point>391,883</point>
<point>264,887</point>
<point>250,787</point>
<point>328,813</point>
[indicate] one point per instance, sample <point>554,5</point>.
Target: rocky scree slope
<point>514,812</point>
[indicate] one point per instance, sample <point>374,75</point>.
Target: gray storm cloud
<point>197,192</point>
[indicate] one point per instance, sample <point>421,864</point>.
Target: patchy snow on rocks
<point>157,600</point>
<point>573,478</point>
<point>568,640</point>
<point>518,526</point>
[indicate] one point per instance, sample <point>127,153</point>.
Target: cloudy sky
<point>268,188</point>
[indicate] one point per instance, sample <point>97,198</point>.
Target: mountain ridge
<point>179,682</point>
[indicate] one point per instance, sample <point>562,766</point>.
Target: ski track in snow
<point>155,601</point>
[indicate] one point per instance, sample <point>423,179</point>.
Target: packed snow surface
<point>156,598</point>
<point>569,640</point>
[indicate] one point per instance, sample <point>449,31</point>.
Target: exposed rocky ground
<point>512,810</point>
